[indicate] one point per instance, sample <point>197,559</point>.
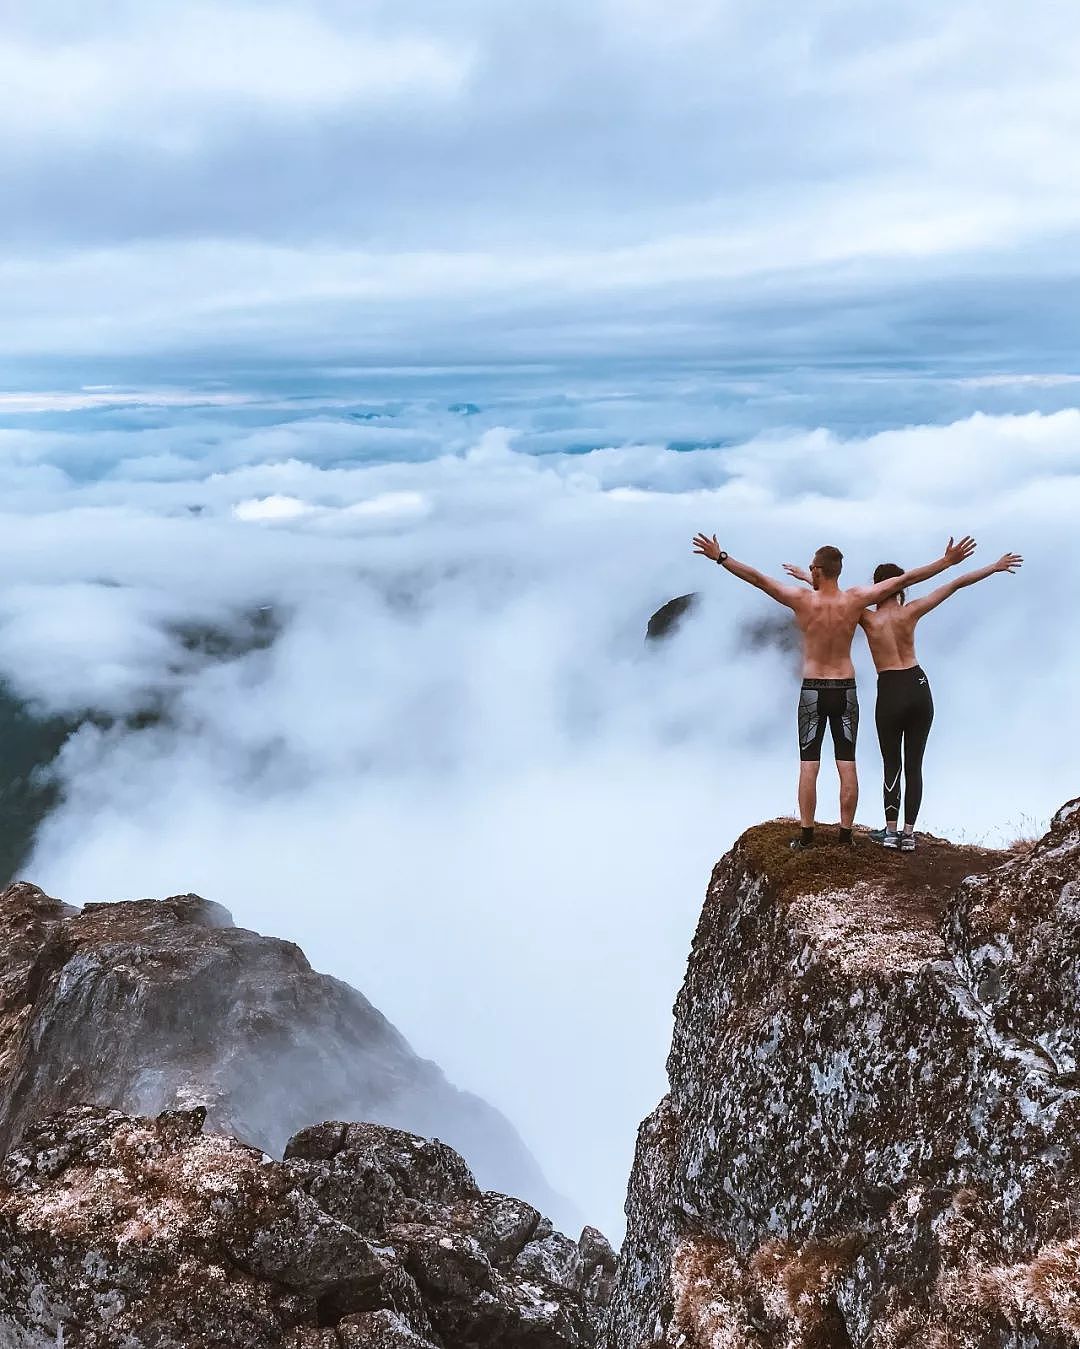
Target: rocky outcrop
<point>155,1005</point>
<point>133,1233</point>
<point>871,1135</point>
<point>665,622</point>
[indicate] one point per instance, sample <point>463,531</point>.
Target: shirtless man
<point>827,618</point>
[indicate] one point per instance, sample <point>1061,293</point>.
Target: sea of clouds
<point>457,776</point>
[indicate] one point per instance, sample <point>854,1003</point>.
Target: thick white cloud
<point>457,777</point>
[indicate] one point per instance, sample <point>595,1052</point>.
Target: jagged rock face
<point>665,622</point>
<point>871,1136</point>
<point>119,1232</point>
<point>156,1005</point>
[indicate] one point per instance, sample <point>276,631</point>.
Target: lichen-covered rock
<point>486,1264</point>
<point>871,1135</point>
<point>119,1232</point>
<point>153,1005</point>
<point>125,1231</point>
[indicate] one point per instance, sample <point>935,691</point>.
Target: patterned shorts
<point>833,703</point>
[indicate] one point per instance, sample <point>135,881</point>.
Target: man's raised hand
<point>1009,562</point>
<point>707,547</point>
<point>799,573</point>
<point>956,553</point>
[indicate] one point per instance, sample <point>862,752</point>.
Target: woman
<point>905,708</point>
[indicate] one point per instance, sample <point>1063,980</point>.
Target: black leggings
<point>905,712</point>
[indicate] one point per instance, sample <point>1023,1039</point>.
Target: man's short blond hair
<point>829,560</point>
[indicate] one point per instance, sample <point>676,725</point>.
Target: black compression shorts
<point>833,703</point>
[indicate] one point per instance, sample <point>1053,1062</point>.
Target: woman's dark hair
<point>885,572</point>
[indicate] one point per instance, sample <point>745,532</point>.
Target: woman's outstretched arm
<point>1009,562</point>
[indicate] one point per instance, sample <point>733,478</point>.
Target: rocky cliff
<point>156,1005</point>
<point>871,1135</point>
<point>132,1233</point>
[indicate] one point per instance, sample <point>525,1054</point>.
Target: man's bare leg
<point>808,774</point>
<point>849,792</point>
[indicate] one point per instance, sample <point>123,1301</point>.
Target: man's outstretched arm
<point>1009,562</point>
<point>954,554</point>
<point>784,594</point>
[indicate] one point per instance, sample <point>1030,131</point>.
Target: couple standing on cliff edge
<point>827,618</point>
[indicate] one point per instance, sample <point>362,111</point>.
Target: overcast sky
<point>740,177</point>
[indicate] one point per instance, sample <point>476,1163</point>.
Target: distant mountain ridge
<point>31,738</point>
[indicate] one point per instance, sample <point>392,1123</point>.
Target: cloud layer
<point>457,776</point>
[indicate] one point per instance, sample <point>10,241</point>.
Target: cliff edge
<point>871,1136</point>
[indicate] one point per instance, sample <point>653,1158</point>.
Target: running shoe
<point>877,835</point>
<point>893,842</point>
<point>907,842</point>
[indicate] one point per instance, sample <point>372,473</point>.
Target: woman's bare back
<point>890,632</point>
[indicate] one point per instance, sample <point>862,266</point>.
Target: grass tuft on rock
<point>918,880</point>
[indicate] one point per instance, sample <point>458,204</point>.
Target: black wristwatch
<point>722,558</point>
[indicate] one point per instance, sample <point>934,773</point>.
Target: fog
<point>457,776</point>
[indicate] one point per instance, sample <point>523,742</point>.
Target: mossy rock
<point>919,882</point>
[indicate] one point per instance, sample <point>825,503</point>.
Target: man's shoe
<point>892,842</point>
<point>907,842</point>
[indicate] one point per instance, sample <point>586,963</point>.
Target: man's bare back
<point>827,621</point>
